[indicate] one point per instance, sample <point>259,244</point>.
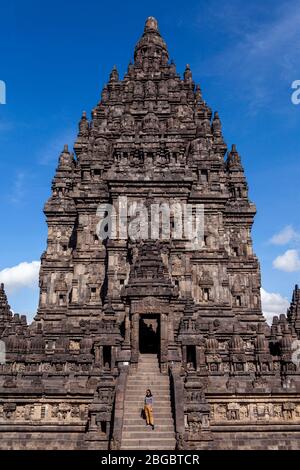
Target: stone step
<point>157,400</point>
<point>160,418</point>
<point>160,424</point>
<point>139,424</point>
<point>136,411</point>
<point>153,377</point>
<point>143,384</point>
<point>144,360</point>
<point>142,381</point>
<point>160,413</point>
<point>148,373</point>
<point>164,414</point>
<point>145,435</point>
<point>155,391</point>
<point>141,393</point>
<point>145,441</point>
<point>148,357</point>
<point>154,380</point>
<point>138,404</point>
<point>145,366</point>
<point>166,447</point>
<point>142,427</point>
<point>148,360</point>
<point>142,390</point>
<point>156,406</point>
<point>148,363</point>
<point>140,399</point>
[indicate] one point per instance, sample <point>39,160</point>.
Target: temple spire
<point>237,181</point>
<point>188,78</point>
<point>114,75</point>
<point>151,46</point>
<point>5,311</point>
<point>293,313</point>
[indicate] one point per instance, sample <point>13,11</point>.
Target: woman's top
<point>149,400</point>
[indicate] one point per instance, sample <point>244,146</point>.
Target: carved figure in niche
<point>150,89</point>
<point>150,122</point>
<point>138,91</point>
<point>127,122</point>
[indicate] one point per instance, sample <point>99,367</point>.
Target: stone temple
<point>119,315</point>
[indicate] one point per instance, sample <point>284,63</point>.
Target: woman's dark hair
<point>148,390</point>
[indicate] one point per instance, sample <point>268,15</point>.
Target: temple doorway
<point>149,334</point>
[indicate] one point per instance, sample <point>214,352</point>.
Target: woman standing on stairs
<point>148,408</point>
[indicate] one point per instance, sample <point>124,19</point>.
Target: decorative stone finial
<point>151,24</point>
<point>187,74</point>
<point>198,94</point>
<point>114,75</point>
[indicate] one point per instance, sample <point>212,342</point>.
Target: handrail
<point>177,400</point>
<point>115,443</point>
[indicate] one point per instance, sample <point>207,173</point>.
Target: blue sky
<point>55,58</point>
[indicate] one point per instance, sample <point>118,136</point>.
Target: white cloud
<point>288,262</point>
<point>273,304</point>
<point>286,235</point>
<point>23,275</point>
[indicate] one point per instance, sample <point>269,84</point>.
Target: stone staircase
<point>135,433</point>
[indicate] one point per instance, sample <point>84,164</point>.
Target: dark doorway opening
<point>191,357</point>
<point>149,337</point>
<point>107,357</point>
